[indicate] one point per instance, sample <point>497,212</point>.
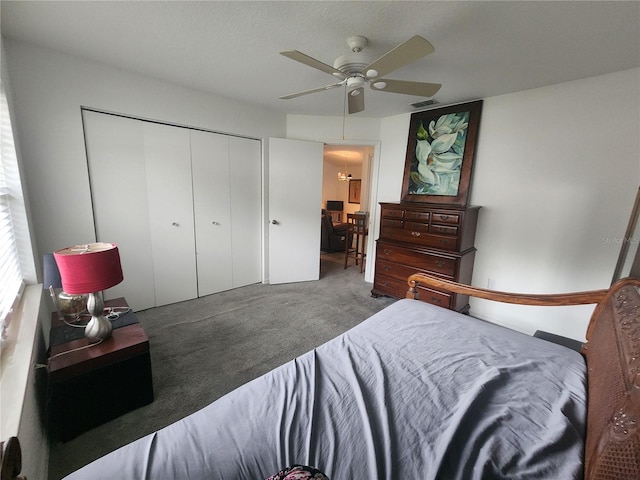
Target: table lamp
<point>90,269</point>
<point>68,306</point>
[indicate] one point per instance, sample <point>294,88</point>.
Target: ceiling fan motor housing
<point>352,62</point>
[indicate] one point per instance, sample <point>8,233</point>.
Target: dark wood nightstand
<point>92,385</point>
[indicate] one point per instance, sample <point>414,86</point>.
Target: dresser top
<point>429,206</point>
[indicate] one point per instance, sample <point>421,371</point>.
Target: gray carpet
<point>204,348</point>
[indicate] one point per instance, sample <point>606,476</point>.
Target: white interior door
<point>168,166</point>
<point>115,154</point>
<point>295,196</point>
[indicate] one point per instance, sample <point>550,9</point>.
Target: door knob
<point>274,222</point>
<point>215,223</point>
<point>175,224</point>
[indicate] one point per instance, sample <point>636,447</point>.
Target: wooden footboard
<point>612,354</point>
<point>559,299</point>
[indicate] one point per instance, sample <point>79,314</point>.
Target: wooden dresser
<point>429,238</point>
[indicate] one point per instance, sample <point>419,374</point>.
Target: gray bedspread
<point>414,392</point>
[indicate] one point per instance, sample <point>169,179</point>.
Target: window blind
<point>10,270</point>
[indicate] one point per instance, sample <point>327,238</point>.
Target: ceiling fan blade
<point>356,100</point>
<point>410,51</point>
<point>313,90</point>
<point>420,89</point>
<point>312,62</point>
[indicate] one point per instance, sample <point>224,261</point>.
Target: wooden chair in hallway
<point>357,229</point>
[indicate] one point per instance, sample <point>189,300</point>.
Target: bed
<point>420,392</point>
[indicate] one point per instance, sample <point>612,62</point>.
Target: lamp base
<point>99,327</point>
<point>71,306</point>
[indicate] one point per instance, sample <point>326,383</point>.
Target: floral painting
<point>440,153</point>
<point>439,150</point>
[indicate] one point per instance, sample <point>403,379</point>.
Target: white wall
<point>557,172</point>
<point>50,88</point>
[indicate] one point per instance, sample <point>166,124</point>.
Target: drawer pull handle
<point>439,263</point>
<point>444,242</point>
<point>386,251</point>
<point>444,217</point>
<point>386,268</point>
<point>415,234</point>
<point>436,300</point>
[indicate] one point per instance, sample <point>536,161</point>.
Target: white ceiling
<point>482,49</point>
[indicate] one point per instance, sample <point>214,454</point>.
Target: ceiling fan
<point>356,69</point>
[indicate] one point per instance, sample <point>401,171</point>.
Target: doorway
<point>346,186</point>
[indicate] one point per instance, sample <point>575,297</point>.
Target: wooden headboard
<point>612,354</point>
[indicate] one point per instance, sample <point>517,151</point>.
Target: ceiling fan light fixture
<point>355,81</point>
<point>379,85</point>
<point>372,73</point>
<point>354,93</point>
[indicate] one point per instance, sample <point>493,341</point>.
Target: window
<point>11,278</point>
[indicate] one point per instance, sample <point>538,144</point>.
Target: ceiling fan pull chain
<point>344,110</point>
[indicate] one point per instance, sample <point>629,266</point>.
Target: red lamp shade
<point>89,268</point>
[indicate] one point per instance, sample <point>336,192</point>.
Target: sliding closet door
<point>115,155</point>
<point>210,167</point>
<point>183,205</point>
<point>170,202</point>
<point>245,161</point>
<point>227,199</point>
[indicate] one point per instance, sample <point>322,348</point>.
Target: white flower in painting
<point>423,150</point>
<point>447,124</point>
<point>435,158</point>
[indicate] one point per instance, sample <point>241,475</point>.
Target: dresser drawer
<point>395,270</point>
<point>417,216</point>
<point>445,217</point>
<point>443,229</point>
<point>391,222</point>
<point>393,287</point>
<point>392,213</point>
<point>417,237</point>
<point>434,297</point>
<point>416,226</point>
<point>421,260</point>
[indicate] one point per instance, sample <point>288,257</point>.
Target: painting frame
<point>355,187</point>
<point>439,164</point>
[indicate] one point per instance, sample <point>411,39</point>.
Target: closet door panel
<point>170,200</point>
<point>245,160</point>
<point>115,156</point>
<point>210,168</point>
